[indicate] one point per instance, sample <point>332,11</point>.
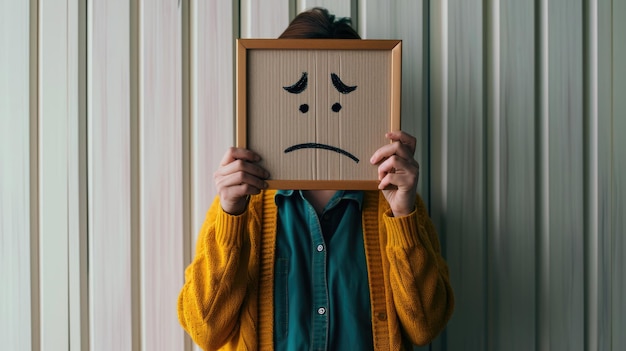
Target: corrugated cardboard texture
<point>276,121</point>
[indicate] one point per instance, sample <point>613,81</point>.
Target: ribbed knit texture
<point>268,249</point>
<point>227,300</point>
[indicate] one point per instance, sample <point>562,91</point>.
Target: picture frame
<point>317,109</point>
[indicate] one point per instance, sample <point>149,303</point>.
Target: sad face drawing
<point>298,88</point>
<point>318,114</point>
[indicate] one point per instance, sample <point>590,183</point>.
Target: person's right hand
<point>238,177</point>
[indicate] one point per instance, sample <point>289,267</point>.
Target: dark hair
<point>317,23</point>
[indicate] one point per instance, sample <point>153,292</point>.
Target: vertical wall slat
<point>466,204</point>
<point>340,8</point>
<point>494,116</point>
<point>618,187</point>
<point>438,114</point>
<point>213,33</point>
<point>565,150</point>
<point>510,173</point>
<point>109,176</point>
<point>35,300</point>
<point>59,172</point>
<point>590,125</point>
<point>213,37</point>
<point>161,181</point>
<point>136,273</point>
<point>267,19</point>
<point>405,20</point>
<point>542,177</point>
<point>15,188</point>
<point>53,121</point>
<point>604,186</point>
<point>77,176</point>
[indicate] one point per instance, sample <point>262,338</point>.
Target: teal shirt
<point>321,291</point>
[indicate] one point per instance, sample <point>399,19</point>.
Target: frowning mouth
<point>321,146</point>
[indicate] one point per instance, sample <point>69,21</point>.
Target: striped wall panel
<point>19,308</point>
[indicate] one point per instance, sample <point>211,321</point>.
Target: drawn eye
<point>336,107</point>
<point>304,108</point>
<point>340,86</point>
<point>299,86</point>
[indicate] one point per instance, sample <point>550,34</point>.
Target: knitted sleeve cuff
<point>229,229</point>
<point>402,231</point>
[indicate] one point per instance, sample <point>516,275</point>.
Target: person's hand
<point>238,177</point>
<point>398,172</point>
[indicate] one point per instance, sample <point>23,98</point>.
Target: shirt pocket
<point>281,298</point>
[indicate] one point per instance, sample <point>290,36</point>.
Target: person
<point>324,269</point>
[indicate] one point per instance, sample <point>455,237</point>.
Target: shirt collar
<point>355,195</point>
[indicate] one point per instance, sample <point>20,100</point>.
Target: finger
<point>397,165</point>
<point>393,164</point>
<point>393,181</point>
<point>386,183</point>
<point>235,153</point>
<point>231,194</point>
<point>400,181</point>
<point>404,138</point>
<point>386,151</point>
<point>239,178</point>
<point>242,166</point>
<point>234,199</point>
<point>239,191</point>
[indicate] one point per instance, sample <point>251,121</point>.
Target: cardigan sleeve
<point>418,275</point>
<point>210,301</point>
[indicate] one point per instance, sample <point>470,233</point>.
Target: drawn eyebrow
<point>340,86</point>
<point>299,86</point>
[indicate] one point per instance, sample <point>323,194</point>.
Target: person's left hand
<point>398,172</point>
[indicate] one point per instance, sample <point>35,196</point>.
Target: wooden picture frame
<point>317,109</point>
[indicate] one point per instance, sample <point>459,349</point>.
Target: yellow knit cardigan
<point>227,301</point>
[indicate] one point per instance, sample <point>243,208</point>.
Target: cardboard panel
<point>316,113</point>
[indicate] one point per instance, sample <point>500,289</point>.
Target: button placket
<point>320,297</point>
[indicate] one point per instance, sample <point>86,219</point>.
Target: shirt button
<point>321,310</point>
<point>320,248</point>
<point>382,316</point>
